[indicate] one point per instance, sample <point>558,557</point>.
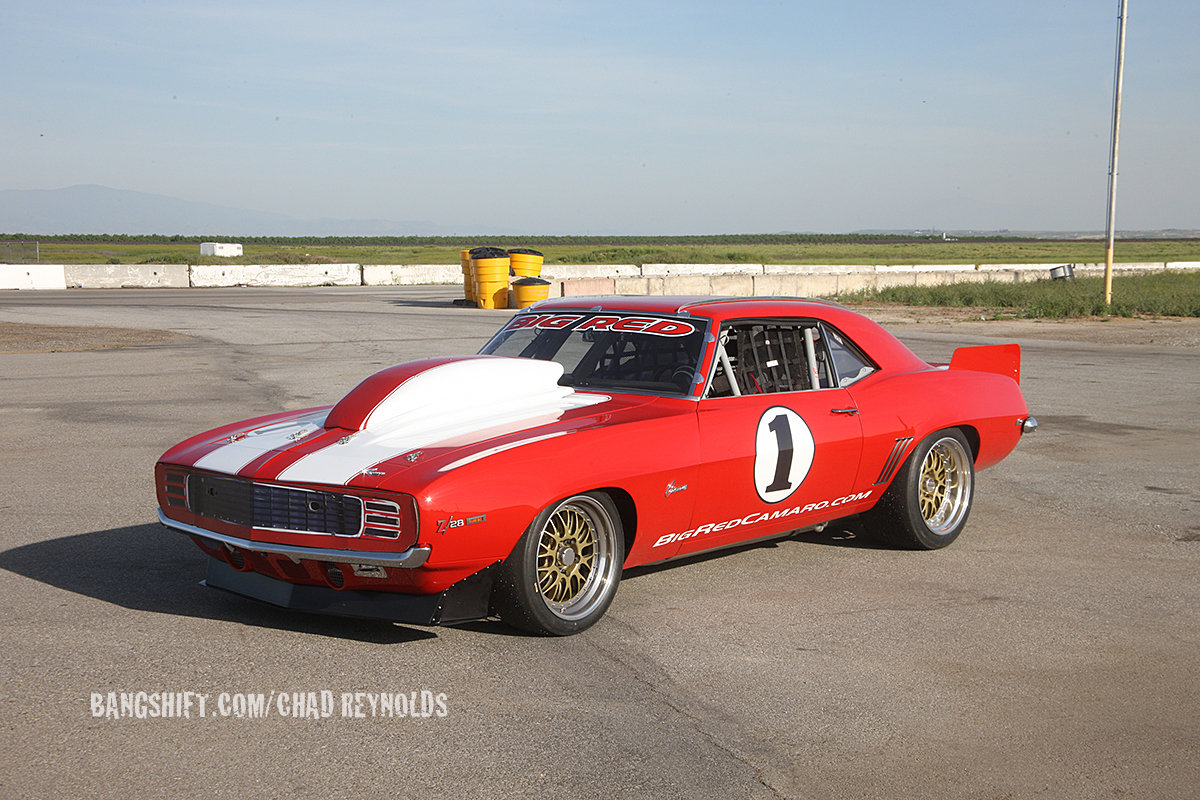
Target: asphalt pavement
<point>1052,651</point>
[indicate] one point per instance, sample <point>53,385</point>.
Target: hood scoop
<point>422,403</point>
<point>421,392</point>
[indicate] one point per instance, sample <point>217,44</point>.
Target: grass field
<point>1169,294</point>
<point>684,250</point>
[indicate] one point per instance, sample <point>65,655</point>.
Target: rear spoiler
<point>1002,359</point>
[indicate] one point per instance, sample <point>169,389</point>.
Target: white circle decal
<point>783,454</point>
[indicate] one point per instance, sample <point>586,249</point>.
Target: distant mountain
<point>99,209</point>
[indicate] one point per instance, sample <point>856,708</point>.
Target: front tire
<point>927,505</point>
<point>563,573</point>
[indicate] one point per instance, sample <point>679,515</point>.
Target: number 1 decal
<point>782,429</point>
<point>783,454</point>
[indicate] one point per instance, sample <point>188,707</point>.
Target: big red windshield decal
<point>657,326</point>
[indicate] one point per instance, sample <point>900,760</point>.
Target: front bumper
<point>411,558</point>
<point>465,601</point>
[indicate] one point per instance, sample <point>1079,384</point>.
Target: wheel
<point>564,571</point>
<point>927,505</point>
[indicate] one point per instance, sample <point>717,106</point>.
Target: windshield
<point>612,351</point>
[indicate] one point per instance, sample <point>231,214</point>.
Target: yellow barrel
<point>528,291</point>
<point>490,266</point>
<point>526,263</point>
<point>468,278</point>
<point>491,295</point>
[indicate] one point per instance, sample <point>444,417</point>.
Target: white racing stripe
<point>491,451</point>
<point>257,442</point>
<point>341,462</point>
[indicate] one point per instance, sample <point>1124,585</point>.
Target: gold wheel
<point>566,556</point>
<point>945,486</point>
<point>578,559</point>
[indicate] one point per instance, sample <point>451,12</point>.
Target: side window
<point>767,358</point>
<point>849,364</point>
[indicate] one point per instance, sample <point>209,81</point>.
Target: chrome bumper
<point>411,558</point>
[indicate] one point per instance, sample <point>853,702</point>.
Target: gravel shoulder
<point>17,337</point>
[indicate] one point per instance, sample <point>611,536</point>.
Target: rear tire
<point>562,575</point>
<point>927,505</point>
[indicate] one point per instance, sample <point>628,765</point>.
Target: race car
<point>588,436</point>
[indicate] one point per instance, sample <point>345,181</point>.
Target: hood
<point>400,410</point>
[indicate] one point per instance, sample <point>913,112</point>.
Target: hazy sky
<point>572,117</point>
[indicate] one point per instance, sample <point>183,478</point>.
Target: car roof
<point>878,343</point>
<point>699,305</point>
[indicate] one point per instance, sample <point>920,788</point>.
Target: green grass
<point>1168,294</point>
<point>783,249</point>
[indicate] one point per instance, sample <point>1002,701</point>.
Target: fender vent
<point>893,461</point>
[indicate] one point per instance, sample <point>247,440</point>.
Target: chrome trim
<point>1028,425</point>
<point>411,558</point>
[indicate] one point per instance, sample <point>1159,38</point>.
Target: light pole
<point>1112,159</point>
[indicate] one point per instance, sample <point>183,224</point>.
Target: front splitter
<point>465,601</point>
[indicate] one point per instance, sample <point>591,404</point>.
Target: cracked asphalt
<point>1052,651</point>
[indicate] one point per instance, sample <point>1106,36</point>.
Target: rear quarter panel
<point>913,405</point>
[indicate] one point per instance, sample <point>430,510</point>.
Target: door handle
<point>847,411</point>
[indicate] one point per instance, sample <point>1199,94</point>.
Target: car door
<point>779,441</point>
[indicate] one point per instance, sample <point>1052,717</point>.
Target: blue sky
<point>569,117</point>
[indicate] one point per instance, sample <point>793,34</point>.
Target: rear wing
<point>1002,359</point>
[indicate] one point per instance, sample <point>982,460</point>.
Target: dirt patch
<point>16,337</point>
<point>1160,331</point>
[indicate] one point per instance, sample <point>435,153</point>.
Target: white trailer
<point>220,249</point>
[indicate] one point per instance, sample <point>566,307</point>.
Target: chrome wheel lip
<point>945,486</point>
<point>583,525</point>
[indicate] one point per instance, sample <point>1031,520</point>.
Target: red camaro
<point>590,435</point>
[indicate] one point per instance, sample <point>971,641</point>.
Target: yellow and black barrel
<point>526,263</point>
<point>490,267</point>
<point>529,290</point>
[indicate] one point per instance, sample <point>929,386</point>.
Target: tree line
<point>501,241</point>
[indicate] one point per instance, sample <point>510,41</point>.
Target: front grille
<point>259,505</point>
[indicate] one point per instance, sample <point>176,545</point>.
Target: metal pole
<point>1112,161</point>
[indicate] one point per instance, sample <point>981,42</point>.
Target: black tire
<point>563,573</point>
<point>927,505</point>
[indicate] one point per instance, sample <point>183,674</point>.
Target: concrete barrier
<point>576,287</point>
<point>410,274</point>
<point>214,275</point>
<point>32,276</point>
<point>818,280</point>
<point>564,272</point>
<point>737,280</point>
<point>127,276</point>
<point>669,270</point>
